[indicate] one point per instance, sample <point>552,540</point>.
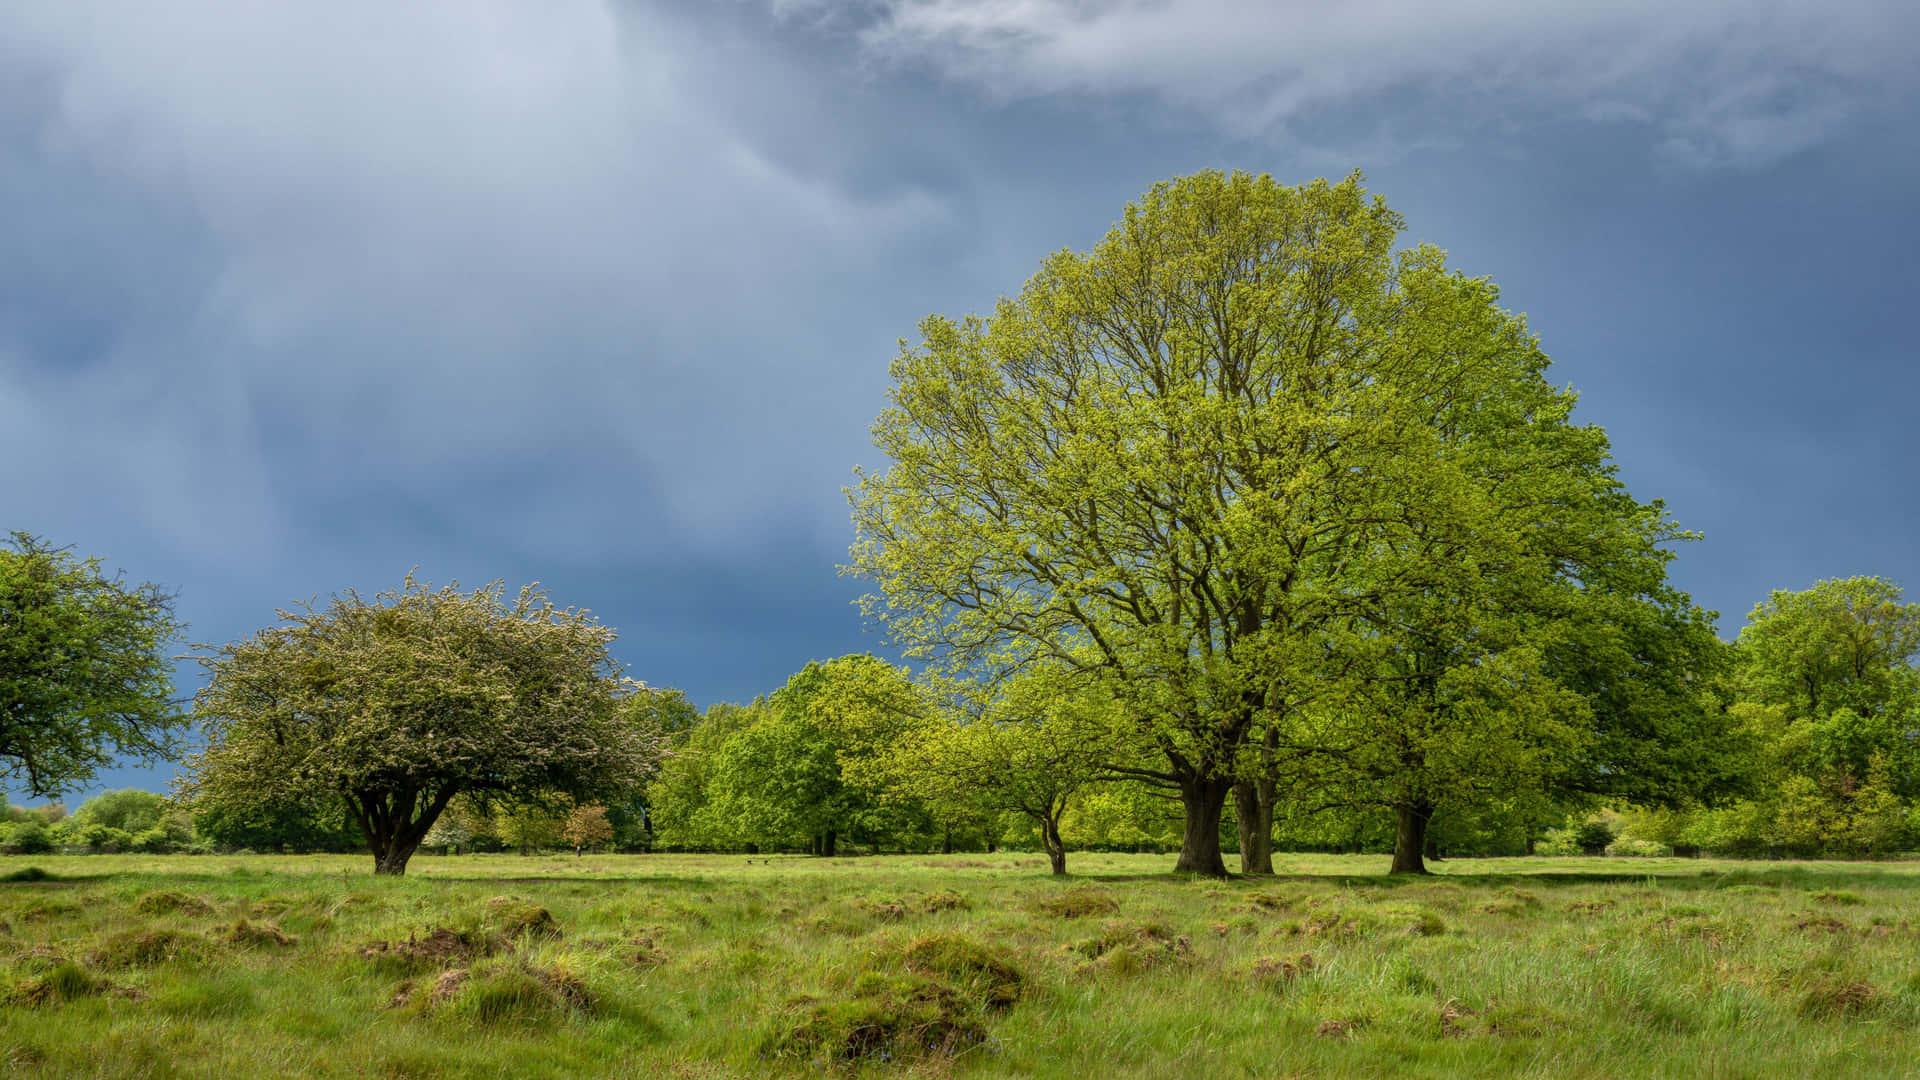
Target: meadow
<point>961,965</point>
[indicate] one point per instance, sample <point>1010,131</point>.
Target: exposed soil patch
<point>1821,924</point>
<point>441,947</point>
<point>1832,997</point>
<point>252,934</point>
<point>1339,1029</point>
<point>1281,970</point>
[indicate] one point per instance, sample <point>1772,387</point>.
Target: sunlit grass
<point>966,965</point>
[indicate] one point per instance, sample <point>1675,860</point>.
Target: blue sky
<point>296,297</point>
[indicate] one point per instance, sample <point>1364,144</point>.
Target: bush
<point>1557,842</point>
<point>30,837</point>
<point>1635,847</point>
<point>154,841</point>
<point>1593,836</point>
<point>131,811</point>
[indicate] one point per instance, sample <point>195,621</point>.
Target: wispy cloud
<point>1721,82</point>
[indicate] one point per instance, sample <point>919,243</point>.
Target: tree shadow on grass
<point>1706,880</point>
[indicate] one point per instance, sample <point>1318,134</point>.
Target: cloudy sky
<point>297,296</point>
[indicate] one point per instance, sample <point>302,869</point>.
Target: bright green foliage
<point>1827,679</point>
<point>1829,675</point>
<point>1215,466</point>
<point>794,777</point>
<point>797,769</point>
<point>395,705</point>
<point>1122,817</point>
<point>650,709</point>
<point>1028,750</point>
<point>527,827</point>
<point>84,670</point>
<point>1825,687</point>
<point>131,809</point>
<point>131,820</point>
<point>1847,643</point>
<point>677,796</point>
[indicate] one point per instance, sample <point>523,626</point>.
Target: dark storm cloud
<point>299,296</point>
<point>420,238</point>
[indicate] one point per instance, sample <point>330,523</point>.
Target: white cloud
<point>1724,82</point>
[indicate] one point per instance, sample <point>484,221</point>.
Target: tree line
<point>1243,527</point>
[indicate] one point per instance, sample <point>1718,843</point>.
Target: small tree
<point>131,809</point>
<point>1027,750</point>
<point>397,704</point>
<point>587,827</point>
<point>84,671</point>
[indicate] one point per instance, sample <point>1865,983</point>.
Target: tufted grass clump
<point>880,1018</point>
<point>985,974</point>
<point>169,902</point>
<point>703,967</point>
<point>1123,948</point>
<point>147,947</point>
<point>64,981</point>
<point>1077,904</point>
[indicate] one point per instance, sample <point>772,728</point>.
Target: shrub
<point>1557,842</point>
<point>30,837</point>
<point>1593,836</point>
<point>154,841</point>
<point>1634,847</point>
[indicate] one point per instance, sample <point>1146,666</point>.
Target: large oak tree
<point>1199,464</point>
<point>394,705</point>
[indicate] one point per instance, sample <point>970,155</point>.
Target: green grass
<point>711,966</point>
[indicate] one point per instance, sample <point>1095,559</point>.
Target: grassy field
<point>718,966</point>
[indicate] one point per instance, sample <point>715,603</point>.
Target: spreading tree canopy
<point>396,704</point>
<point>1831,678</point>
<point>84,671</point>
<point>1209,464</point>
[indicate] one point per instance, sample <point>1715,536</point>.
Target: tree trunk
<point>1203,798</point>
<point>1056,848</point>
<point>1530,843</point>
<point>827,845</point>
<point>386,819</point>
<point>1410,839</point>
<point>1432,849</point>
<point>393,859</point>
<point>1253,814</point>
<point>946,840</point>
